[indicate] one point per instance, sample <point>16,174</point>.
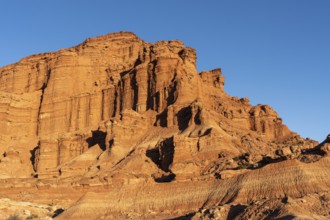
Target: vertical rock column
<point>142,88</point>
<point>108,102</point>
<point>127,92</point>
<point>48,158</point>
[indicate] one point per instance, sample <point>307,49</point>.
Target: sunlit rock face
<point>136,124</point>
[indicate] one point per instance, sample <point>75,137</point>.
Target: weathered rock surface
<point>134,123</point>
<point>10,209</point>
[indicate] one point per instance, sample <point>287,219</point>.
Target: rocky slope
<point>120,128</point>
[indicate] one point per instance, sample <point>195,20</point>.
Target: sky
<point>273,52</point>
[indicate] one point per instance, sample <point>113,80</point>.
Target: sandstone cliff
<point>135,123</point>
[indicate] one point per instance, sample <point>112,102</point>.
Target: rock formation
<point>122,120</point>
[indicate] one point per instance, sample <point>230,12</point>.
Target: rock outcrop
<point>134,123</point>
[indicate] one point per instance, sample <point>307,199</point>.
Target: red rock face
<point>116,110</point>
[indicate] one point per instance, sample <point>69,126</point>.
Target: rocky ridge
<point>119,119</point>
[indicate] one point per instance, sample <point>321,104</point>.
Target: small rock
<point>288,200</point>
<point>294,148</point>
<point>326,148</point>
<point>325,197</point>
<point>27,212</point>
<point>286,151</point>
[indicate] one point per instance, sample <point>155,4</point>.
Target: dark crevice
<point>161,119</point>
<point>184,116</point>
<point>172,93</point>
<point>207,132</point>
<point>163,154</point>
<point>154,155</point>
<point>317,150</point>
<point>34,153</point>
<point>57,212</point>
<point>124,73</point>
<point>235,210</point>
<point>183,54</point>
<point>111,142</point>
<point>121,96</point>
<point>265,161</point>
<point>135,89</point>
<point>115,102</point>
<point>197,118</point>
<point>166,178</point>
<point>150,104</point>
<point>43,88</point>
<point>166,149</point>
<point>137,62</point>
<point>314,154</point>
<point>151,86</point>
<point>157,101</point>
<point>98,138</point>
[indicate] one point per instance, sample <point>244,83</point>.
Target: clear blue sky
<point>274,52</point>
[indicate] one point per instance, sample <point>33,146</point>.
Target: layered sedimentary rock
<point>136,123</point>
